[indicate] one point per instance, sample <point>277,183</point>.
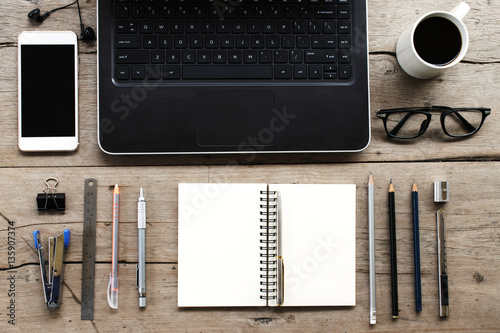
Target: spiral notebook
<point>267,245</point>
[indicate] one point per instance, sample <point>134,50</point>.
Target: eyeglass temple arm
<point>464,121</point>
<point>396,128</point>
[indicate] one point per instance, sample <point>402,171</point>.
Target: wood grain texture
<point>470,165</point>
<point>473,237</point>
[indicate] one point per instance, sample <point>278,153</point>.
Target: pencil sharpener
<point>441,191</point>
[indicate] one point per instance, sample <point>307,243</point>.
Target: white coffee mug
<point>408,56</point>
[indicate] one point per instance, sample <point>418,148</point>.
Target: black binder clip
<point>50,199</point>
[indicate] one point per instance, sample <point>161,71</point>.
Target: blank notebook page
<point>219,258</point>
<point>318,234</point>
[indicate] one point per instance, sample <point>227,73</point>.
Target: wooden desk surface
<point>470,165</point>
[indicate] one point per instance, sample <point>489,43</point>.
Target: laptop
<point>231,76</point>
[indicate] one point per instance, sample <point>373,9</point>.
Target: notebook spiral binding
<point>268,223</point>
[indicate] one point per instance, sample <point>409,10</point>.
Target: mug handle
<point>460,10</point>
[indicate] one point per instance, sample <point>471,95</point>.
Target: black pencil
<point>416,247</point>
<point>394,267</point>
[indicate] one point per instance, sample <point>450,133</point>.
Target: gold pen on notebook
<point>280,269</point>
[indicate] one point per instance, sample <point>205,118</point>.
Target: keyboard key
<point>315,72</point>
<point>222,27</point>
<point>227,42</point>
<point>296,56</point>
<point>254,27</point>
<point>188,56</point>
<point>250,57</point>
<point>300,72</point>
<point>122,12</point>
<point>284,27</point>
<point>167,12</point>
<point>204,56</point>
<point>177,27</point>
<point>280,56</point>
<point>345,71</point>
<point>220,56</point>
<point>171,72</point>
<point>321,57</point>
<point>180,42</point>
<point>288,42</point>
<point>173,57</point>
<point>329,27</point>
<point>257,42</point>
<point>344,27</point>
<point>211,42</point>
<point>137,12</point>
<point>227,72</point>
<point>324,12</point>
<point>323,42</point>
<point>344,42</point>
<point>149,42</point>
<point>269,27</point>
<point>192,27</point>
<point>330,72</point>
<point>273,41</point>
<point>128,42</point>
<point>122,72</point>
<point>196,42</point>
<point>265,57</point>
<point>276,12</point>
<point>283,72</point>
<point>153,72</point>
<point>314,27</point>
<point>291,12</point>
<point>242,42</point>
<point>138,73</point>
<point>238,27</point>
<point>157,57</point>
<point>153,12</point>
<point>306,12</point>
<point>344,57</point>
<point>161,27</point>
<point>235,56</point>
<point>132,57</point>
<point>299,27</point>
<point>126,26</point>
<point>165,42</point>
<point>344,12</point>
<point>303,42</point>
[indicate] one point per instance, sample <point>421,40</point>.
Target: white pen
<point>141,266</point>
<point>113,277</point>
<point>371,249</point>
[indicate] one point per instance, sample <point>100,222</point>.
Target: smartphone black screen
<point>47,90</point>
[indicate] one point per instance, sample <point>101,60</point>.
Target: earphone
<point>85,33</point>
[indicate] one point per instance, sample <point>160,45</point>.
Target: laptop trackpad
<point>234,118</point>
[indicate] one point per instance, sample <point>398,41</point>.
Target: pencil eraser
<point>441,191</point>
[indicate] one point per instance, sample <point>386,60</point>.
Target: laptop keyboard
<point>280,40</point>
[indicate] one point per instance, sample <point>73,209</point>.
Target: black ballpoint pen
<point>392,235</point>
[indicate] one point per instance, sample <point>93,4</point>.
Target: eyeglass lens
<point>411,124</point>
<point>406,124</point>
<point>464,122</point>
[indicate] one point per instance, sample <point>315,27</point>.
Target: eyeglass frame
<point>446,110</point>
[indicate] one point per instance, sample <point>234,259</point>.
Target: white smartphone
<point>48,91</point>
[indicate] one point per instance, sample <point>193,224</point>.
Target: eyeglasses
<point>410,123</point>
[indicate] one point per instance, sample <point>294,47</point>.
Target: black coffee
<point>437,41</point>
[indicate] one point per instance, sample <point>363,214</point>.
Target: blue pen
<point>416,246</point>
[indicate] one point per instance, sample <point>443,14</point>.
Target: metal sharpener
<point>441,191</point>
